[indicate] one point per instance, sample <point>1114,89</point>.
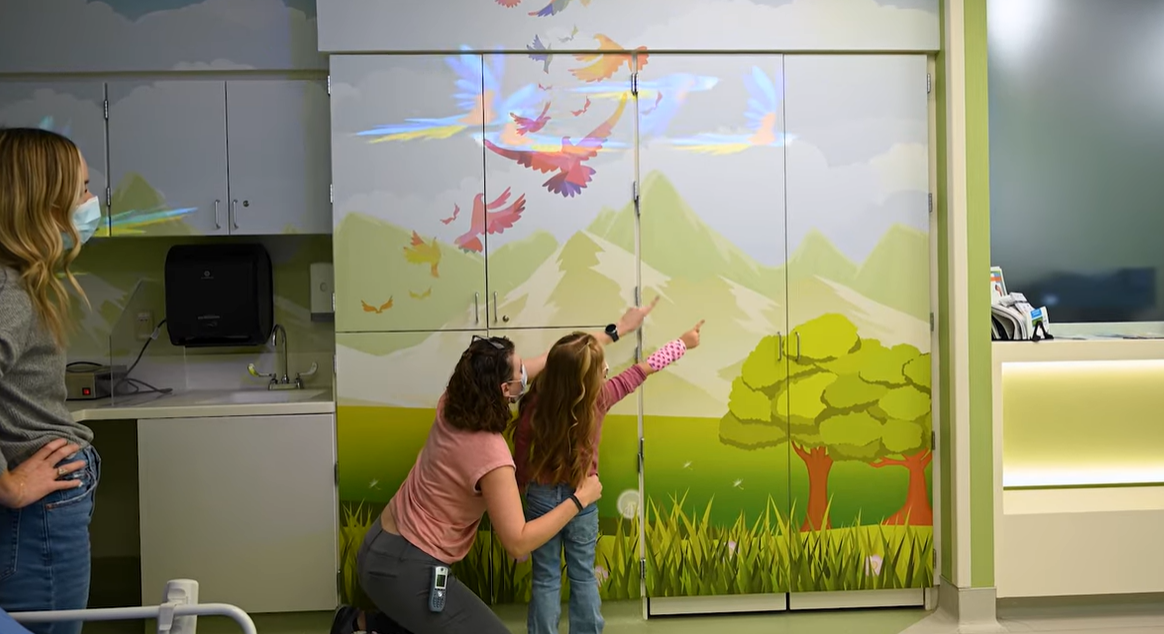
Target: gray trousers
<point>397,577</point>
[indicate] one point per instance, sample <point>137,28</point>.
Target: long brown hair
<point>41,184</point>
<point>564,399</point>
<point>474,400</point>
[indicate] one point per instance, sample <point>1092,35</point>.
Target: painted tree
<point>838,397</point>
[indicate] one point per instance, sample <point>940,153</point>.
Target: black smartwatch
<point>612,332</point>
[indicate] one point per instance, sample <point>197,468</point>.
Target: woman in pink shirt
<point>464,470</point>
<point>555,447</point>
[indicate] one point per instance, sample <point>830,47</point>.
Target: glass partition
<point>1076,95</point>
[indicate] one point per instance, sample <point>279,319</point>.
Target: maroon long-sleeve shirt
<point>613,391</point>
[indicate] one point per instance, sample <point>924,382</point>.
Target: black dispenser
<point>219,295</point>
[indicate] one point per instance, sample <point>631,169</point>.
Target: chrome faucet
<point>284,381</point>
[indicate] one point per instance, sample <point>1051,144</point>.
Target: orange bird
<point>525,124</point>
<point>490,219</point>
<point>450,219</point>
<point>424,253</point>
<point>373,309</point>
<point>508,4</point>
<point>605,62</point>
<point>585,108</point>
<point>569,162</point>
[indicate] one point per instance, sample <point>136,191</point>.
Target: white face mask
<point>524,385</point>
<point>86,220</point>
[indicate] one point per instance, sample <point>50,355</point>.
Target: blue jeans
<point>44,550</point>
<point>579,540</point>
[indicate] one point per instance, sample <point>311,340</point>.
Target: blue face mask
<point>86,220</point>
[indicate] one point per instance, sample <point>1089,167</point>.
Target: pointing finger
<point>699,325</point>
<point>651,306</point>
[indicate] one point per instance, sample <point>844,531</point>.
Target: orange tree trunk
<point>819,463</point>
<point>917,510</point>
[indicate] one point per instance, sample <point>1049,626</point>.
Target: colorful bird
<point>368,308</point>
<point>423,295</point>
<point>674,89</point>
<point>450,219</point>
<point>571,36</point>
<point>490,219</point>
<point>569,161</point>
<point>540,53</point>
<point>508,4</point>
<point>652,109</point>
<point>555,7</point>
<point>478,96</point>
<point>584,110</point>
<point>526,125</point>
<point>135,221</point>
<point>545,88</point>
<point>604,63</point>
<point>764,97</point>
<point>424,253</point>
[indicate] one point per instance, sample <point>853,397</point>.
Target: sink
<point>259,397</point>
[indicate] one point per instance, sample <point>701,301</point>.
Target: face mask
<point>524,385</point>
<point>86,220</point>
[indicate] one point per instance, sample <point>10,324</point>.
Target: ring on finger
<point>62,471</point>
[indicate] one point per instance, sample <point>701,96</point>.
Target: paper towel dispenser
<point>219,295</point>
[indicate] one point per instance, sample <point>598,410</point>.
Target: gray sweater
<point>32,380</point>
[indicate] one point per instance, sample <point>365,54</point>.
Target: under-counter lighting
<point>1067,476</point>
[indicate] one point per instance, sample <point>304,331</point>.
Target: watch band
<point>612,332</point>
<point>577,502</point>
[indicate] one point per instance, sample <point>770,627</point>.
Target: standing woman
<point>48,469</point>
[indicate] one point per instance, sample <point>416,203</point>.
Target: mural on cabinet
<point>784,200</point>
<point>59,36</point>
<point>584,25</point>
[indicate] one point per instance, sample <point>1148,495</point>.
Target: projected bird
<point>605,61</point>
<point>47,124</point>
<point>669,92</point>
<point>764,97</point>
<point>479,97</point>
<point>555,7</point>
<point>491,219</point>
<point>450,219</point>
<point>368,308</point>
<point>508,4</point>
<point>569,160</point>
<point>540,53</point>
<point>584,110</point>
<point>526,125</point>
<point>424,295</point>
<point>571,36</point>
<point>422,252</point>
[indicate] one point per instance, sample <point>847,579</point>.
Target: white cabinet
<point>202,157</point>
<point>245,505</point>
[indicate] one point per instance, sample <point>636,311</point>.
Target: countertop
<point>205,404</point>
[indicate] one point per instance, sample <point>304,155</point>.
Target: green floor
<point>621,618</point>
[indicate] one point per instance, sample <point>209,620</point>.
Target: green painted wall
<point>945,353</point>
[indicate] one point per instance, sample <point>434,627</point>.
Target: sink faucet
<point>284,381</point>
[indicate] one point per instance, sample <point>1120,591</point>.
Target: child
<point>555,447</point>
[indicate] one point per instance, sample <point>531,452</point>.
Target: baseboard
<point>973,609</point>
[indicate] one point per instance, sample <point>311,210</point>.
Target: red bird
<point>569,162</point>
<point>585,107</point>
<point>456,212</point>
<point>508,4</point>
<point>525,124</point>
<point>490,219</point>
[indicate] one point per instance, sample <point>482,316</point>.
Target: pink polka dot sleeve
<point>667,355</point>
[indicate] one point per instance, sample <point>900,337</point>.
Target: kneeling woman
<point>464,470</point>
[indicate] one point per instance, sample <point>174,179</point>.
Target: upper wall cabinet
<point>170,161</point>
<point>410,208</point>
<point>74,109</point>
<point>687,25</point>
<point>559,191</point>
<point>167,151</point>
<point>71,36</point>
<point>279,157</point>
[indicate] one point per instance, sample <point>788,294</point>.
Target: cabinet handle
<point>494,306</point>
<point>798,346</point>
<point>217,222</point>
<point>234,213</point>
<point>779,346</point>
<point>476,308</point>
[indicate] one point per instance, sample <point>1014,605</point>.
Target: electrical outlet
<point>143,325</point>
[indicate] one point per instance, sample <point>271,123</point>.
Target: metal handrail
<point>165,614</point>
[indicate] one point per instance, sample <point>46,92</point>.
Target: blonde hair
<point>564,398</point>
<point>41,183</point>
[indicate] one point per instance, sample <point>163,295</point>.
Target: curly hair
<point>564,399</point>
<point>474,400</point>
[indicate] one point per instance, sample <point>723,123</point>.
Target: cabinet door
<point>280,157</point>
<point>712,232</point>
<point>245,505</point>
<point>859,303</point>
<point>387,389</point>
<point>74,109</point>
<point>407,167</point>
<point>167,158</point>
<point>559,174</point>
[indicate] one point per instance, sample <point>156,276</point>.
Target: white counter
<point>1078,467</point>
<point>206,404</point>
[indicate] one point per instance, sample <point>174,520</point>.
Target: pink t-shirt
<point>438,507</point>
<point>613,391</point>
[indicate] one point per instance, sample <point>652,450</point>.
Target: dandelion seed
<point>873,565</point>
